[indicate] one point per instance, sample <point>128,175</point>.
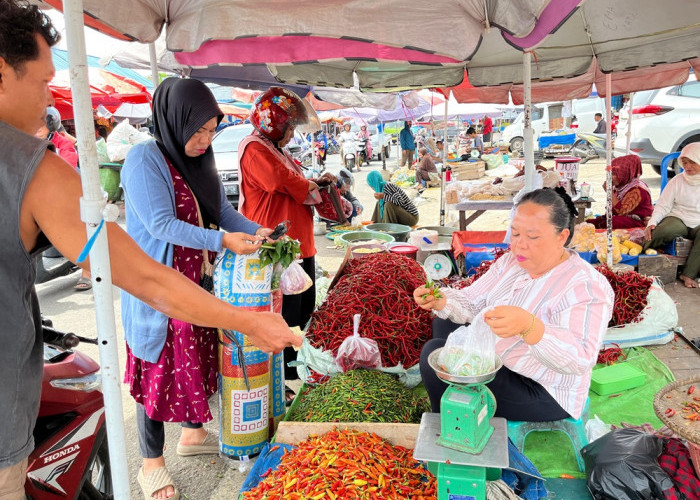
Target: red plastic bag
<point>358,352</point>
<point>330,207</point>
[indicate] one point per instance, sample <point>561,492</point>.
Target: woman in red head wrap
<point>631,198</point>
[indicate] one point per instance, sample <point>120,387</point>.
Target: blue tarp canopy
<point>60,62</point>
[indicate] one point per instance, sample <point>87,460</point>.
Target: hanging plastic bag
<point>358,352</point>
<point>469,350</point>
<point>622,465</point>
<point>294,280</point>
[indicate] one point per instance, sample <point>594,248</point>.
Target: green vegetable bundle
<point>360,396</point>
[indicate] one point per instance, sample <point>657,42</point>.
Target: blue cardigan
<point>152,222</point>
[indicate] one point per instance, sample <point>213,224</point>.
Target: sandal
<point>210,446</point>
<point>83,284</point>
<point>155,481</point>
<point>289,396</point>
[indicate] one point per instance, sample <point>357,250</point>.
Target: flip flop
<point>156,480</point>
<point>210,446</point>
<point>83,284</point>
<point>289,396</point>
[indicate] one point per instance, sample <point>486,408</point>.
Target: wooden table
<point>479,207</point>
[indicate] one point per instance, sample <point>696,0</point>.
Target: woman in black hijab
<point>175,205</point>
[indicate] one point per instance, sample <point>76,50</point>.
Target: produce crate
<point>661,266</point>
<point>682,246</point>
<point>470,175</point>
<point>397,434</point>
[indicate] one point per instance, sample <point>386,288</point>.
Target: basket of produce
<point>398,231</point>
<point>354,237</point>
<point>346,228</point>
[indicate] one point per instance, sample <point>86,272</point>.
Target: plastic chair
<point>664,168</point>
<point>573,428</point>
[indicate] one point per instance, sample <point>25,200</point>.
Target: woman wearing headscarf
<point>631,197</point>
<point>175,206</point>
<point>364,134</point>
<point>426,167</point>
<point>393,205</point>
<point>677,213</point>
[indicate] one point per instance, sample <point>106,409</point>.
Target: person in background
<point>548,308</point>
<point>321,138</point>
<point>488,129</point>
<point>364,134</point>
<point>601,126</point>
<point>345,184</point>
<point>426,171</point>
<point>677,213</point>
<point>439,148</point>
<point>477,143</point>
<point>631,197</point>
<point>175,205</point>
<point>35,214</point>
<point>393,205</point>
<point>347,144</point>
<point>408,144</point>
<point>274,189</point>
<point>65,148</point>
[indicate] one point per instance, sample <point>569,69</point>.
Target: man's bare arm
<point>51,205</point>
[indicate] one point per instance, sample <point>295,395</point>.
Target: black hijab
<point>180,108</point>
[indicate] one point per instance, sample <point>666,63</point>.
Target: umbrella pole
<point>608,170</point>
<point>444,167</point>
<point>629,125</point>
<point>528,144</point>
<point>93,211</point>
<point>154,64</point>
<point>398,147</point>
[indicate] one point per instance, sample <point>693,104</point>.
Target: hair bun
<point>567,199</point>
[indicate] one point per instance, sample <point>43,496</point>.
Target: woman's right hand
<point>312,185</point>
<point>378,196</point>
<point>647,231</point>
<point>426,300</point>
<point>242,243</point>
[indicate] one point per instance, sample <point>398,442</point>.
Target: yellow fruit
<point>634,252</point>
<point>651,251</point>
<point>631,244</point>
<point>624,250</point>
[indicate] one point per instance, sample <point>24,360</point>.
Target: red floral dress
<point>176,388</point>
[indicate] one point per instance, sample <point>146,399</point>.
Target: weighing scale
<point>464,445</point>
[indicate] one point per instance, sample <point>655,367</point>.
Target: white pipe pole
<point>93,212</point>
<point>608,170</point>
<point>629,124</point>
<point>154,64</point>
<point>444,167</point>
<point>528,143</point>
<point>398,147</point>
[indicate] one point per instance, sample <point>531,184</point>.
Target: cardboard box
<point>616,378</point>
<point>451,197</point>
<point>468,176</point>
<point>397,434</point>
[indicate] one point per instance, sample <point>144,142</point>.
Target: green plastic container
<point>398,231</point>
<point>616,378</point>
<point>364,237</point>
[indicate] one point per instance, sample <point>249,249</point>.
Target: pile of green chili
<point>360,396</point>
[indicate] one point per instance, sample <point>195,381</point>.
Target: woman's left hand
<point>508,321</point>
<point>264,232</point>
<point>378,196</point>
<point>242,243</point>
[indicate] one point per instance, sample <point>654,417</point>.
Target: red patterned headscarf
<point>628,170</point>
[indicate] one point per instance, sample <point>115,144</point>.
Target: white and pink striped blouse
<point>573,300</point>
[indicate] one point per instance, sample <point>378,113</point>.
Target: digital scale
<point>464,445</point>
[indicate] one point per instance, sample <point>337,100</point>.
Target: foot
<point>289,395</point>
<point>193,436</point>
<point>83,284</point>
<point>689,282</point>
<point>151,464</point>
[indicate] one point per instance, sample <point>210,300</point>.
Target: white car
<point>663,121</point>
<point>225,145</point>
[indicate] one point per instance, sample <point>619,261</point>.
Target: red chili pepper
<point>691,389</point>
<point>670,412</point>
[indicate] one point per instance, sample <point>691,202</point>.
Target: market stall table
<point>480,207</point>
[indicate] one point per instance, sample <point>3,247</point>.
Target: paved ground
<point>217,478</point>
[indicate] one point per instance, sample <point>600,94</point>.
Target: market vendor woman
<point>393,204</point>
<point>549,308</point>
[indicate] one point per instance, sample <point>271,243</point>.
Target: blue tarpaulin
<point>60,62</point>
<point>548,140</point>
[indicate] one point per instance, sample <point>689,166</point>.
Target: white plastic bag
<point>358,352</point>
<point>469,350</point>
<point>596,428</point>
<point>122,139</point>
<point>294,280</point>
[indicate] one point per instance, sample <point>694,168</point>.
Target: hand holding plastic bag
<point>358,352</point>
<point>469,350</point>
<point>294,280</point>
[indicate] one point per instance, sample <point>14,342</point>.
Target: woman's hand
<point>508,321</point>
<point>242,243</point>
<point>312,185</point>
<point>426,300</point>
<point>327,178</point>
<point>647,231</point>
<point>264,232</point>
<point>359,210</point>
<point>271,334</point>
<point>378,196</point>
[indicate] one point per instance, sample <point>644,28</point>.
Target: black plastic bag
<point>623,465</point>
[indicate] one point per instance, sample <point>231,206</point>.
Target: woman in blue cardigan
<point>175,205</point>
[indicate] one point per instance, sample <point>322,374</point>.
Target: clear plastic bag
<point>358,352</point>
<point>469,350</point>
<point>294,280</point>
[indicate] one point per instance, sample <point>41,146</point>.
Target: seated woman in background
<point>677,213</point>
<point>393,205</point>
<point>426,171</point>
<point>548,308</point>
<point>631,197</point>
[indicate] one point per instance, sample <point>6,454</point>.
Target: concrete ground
<point>219,478</point>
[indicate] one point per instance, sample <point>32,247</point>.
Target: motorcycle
<point>588,146</point>
<point>320,151</point>
<point>349,158</point>
<point>50,264</point>
<point>70,457</point>
<point>362,151</point>
<point>333,146</point>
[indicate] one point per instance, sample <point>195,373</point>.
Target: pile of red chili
<point>631,290</point>
<point>380,288</point>
<point>346,464</point>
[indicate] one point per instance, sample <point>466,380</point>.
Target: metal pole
<point>528,145</point>
<point>154,64</point>
<point>444,166</point>
<point>608,170</point>
<point>629,124</point>
<point>398,147</point>
<point>382,153</point>
<point>93,211</point>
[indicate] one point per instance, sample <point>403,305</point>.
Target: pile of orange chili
<point>344,464</point>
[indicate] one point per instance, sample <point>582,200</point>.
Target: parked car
<point>225,145</point>
<point>663,121</point>
<point>376,150</point>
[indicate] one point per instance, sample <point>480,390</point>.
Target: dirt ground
<point>219,478</point>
